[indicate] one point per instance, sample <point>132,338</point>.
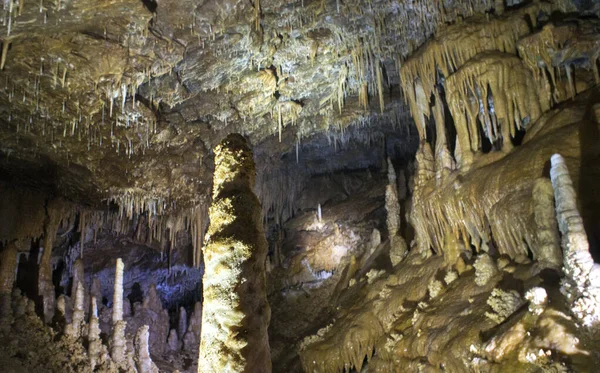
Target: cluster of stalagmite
<point>235,313</point>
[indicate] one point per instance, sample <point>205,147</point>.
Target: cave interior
<point>291,186</point>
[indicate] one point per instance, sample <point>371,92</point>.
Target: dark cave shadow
<point>589,178</point>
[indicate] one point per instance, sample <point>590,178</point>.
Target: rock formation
<point>143,362</point>
<point>404,206</point>
<point>235,312</point>
<point>118,348</point>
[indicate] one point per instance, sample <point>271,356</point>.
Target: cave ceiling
<point>105,99</point>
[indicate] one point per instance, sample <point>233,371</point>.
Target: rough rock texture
<point>109,114</point>
<point>235,312</point>
<point>582,273</point>
<point>143,362</point>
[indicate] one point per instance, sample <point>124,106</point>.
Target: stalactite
<point>444,163</point>
<point>453,46</point>
<point>514,92</point>
<point>5,45</point>
<point>234,259</point>
<point>54,211</point>
<point>379,75</point>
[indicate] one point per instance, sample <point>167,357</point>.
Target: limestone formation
<point>398,247</point>
<point>582,273</point>
<point>143,362</point>
<point>182,322</point>
<point>74,328</point>
<point>118,343</point>
<point>547,248</point>
<point>117,308</point>
<point>370,123</point>
<point>191,339</point>
<point>95,347</point>
<point>45,286</point>
<point>234,280</point>
<point>485,269</point>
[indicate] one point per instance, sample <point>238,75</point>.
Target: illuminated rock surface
<point>411,187</point>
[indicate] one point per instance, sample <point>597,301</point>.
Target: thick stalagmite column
<point>581,285</point>
<point>8,268</point>
<point>235,310</point>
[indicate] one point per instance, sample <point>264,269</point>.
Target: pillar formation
<point>235,310</point>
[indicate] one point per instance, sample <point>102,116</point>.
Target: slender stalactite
<point>235,310</point>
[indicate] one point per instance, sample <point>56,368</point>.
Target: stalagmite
<point>117,310</point>
<point>425,171</point>
<point>182,322</point>
<point>547,249</point>
<point>95,346</point>
<point>73,329</point>
<point>78,272</point>
<point>191,339</point>
<point>45,286</point>
<point>235,312</point>
<point>392,207</point>
<point>8,268</point>
<point>143,362</point>
<point>173,342</point>
<point>118,346</point>
<point>581,286</point>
